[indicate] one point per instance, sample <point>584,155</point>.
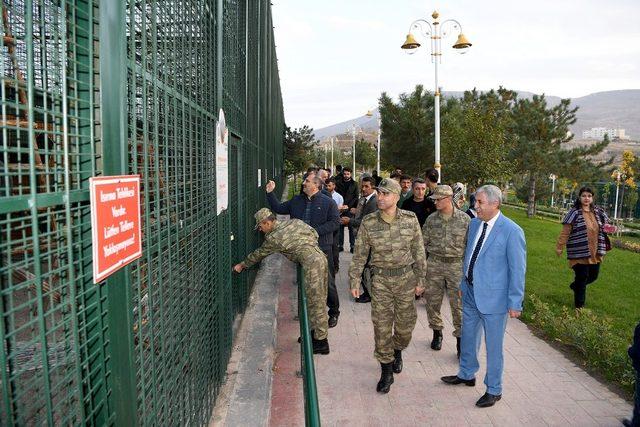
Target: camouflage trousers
<point>443,277</point>
<point>393,313</point>
<point>316,276</point>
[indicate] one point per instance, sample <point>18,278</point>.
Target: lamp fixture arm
<point>453,24</point>
<point>419,25</point>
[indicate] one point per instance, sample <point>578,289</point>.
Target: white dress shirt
<point>337,198</point>
<point>490,225</point>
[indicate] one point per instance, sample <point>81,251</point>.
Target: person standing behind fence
<point>299,243</point>
<point>586,242</point>
<point>321,213</point>
<point>392,238</point>
<point>445,239</point>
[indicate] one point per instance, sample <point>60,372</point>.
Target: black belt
<point>391,272</point>
<point>445,259</point>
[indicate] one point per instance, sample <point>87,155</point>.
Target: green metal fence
<point>95,88</point>
<point>307,367</point>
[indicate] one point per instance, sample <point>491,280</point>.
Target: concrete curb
<point>245,398</point>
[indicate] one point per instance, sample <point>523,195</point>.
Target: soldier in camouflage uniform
<point>392,238</point>
<point>445,239</point>
<point>299,243</point>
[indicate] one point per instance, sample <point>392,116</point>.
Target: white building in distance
<point>599,133</point>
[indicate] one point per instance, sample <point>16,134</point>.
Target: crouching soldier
<point>299,243</point>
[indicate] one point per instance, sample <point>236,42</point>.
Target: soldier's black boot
<point>386,378</point>
<point>320,346</point>
<point>397,361</point>
<point>458,347</point>
<point>436,342</point>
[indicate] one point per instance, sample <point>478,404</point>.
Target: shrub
<point>626,245</point>
<point>589,335</point>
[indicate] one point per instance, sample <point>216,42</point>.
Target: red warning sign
<point>115,223</point>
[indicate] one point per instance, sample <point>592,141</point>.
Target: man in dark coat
<point>348,189</point>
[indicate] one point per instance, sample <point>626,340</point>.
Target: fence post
<point>113,75</point>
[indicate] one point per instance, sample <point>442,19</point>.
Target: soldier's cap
<point>389,185</point>
<point>261,215</point>
<point>441,192</point>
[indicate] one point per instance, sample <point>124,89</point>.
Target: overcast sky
<point>336,57</point>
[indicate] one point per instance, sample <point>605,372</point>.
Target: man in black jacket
<point>634,354</point>
<point>348,189</point>
<point>321,213</point>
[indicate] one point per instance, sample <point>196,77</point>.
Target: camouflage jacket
<point>392,245</point>
<point>446,237</point>
<point>292,238</point>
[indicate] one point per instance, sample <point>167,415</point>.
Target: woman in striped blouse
<point>583,234</point>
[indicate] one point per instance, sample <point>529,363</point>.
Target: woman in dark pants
<point>583,235</point>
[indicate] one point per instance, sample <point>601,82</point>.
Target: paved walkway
<point>541,386</point>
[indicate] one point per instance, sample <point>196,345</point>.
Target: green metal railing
<point>310,390</point>
<point>91,88</point>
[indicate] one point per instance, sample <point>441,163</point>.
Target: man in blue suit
<point>492,290</point>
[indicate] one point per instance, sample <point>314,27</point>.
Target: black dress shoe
<point>488,400</point>
<point>363,299</point>
<point>455,380</point>
<point>333,321</point>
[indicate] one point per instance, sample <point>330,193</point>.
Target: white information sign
<point>222,164</point>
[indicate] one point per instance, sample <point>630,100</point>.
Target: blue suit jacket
<point>498,274</point>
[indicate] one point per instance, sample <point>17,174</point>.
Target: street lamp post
<point>354,129</point>
<point>353,134</point>
<point>553,186</point>
<point>325,155</point>
<point>435,31</point>
<point>617,174</point>
<point>370,114</point>
<point>332,170</point>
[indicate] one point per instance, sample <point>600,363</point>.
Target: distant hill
<point>616,108</point>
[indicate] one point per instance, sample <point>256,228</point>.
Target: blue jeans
<point>473,323</point>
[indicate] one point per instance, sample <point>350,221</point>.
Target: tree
<point>538,133</point>
<point>627,173</point>
<point>475,142</point>
<point>366,155</point>
<point>298,149</point>
<point>407,131</point>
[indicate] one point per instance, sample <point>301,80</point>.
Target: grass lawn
<point>615,296</point>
